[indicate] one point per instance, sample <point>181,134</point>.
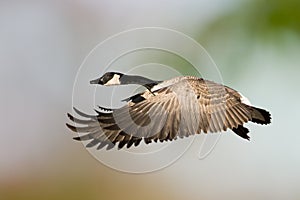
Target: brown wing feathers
<point>180,110</point>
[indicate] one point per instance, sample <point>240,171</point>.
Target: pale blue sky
<point>44,43</point>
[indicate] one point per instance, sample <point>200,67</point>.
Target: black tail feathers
<point>241,131</point>
<point>260,116</point>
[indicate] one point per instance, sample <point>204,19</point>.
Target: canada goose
<point>169,109</point>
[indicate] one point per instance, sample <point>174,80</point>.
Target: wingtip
<point>71,127</point>
<point>105,109</point>
<point>68,125</point>
<point>69,116</point>
<point>77,138</point>
<point>110,146</point>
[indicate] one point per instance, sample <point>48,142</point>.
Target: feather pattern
<point>180,107</point>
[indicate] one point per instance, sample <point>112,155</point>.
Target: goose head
<point>109,78</point>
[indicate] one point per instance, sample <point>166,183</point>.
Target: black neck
<point>139,80</point>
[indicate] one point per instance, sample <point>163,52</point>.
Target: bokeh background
<point>256,45</point>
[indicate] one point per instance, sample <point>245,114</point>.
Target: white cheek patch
<point>244,100</point>
<point>114,81</point>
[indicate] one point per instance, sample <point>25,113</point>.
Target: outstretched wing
<point>179,110</point>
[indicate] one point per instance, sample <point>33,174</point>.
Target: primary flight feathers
<point>169,109</point>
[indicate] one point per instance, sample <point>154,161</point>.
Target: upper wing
<point>179,110</point>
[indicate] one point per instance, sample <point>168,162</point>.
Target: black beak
<point>96,81</point>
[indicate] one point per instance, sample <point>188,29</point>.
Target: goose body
<point>169,109</point>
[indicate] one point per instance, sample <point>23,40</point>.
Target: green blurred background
<point>256,45</point>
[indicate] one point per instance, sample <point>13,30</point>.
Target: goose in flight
<point>167,110</point>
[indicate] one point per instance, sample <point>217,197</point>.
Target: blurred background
<point>256,45</point>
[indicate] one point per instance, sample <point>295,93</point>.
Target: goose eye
<point>107,78</point>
